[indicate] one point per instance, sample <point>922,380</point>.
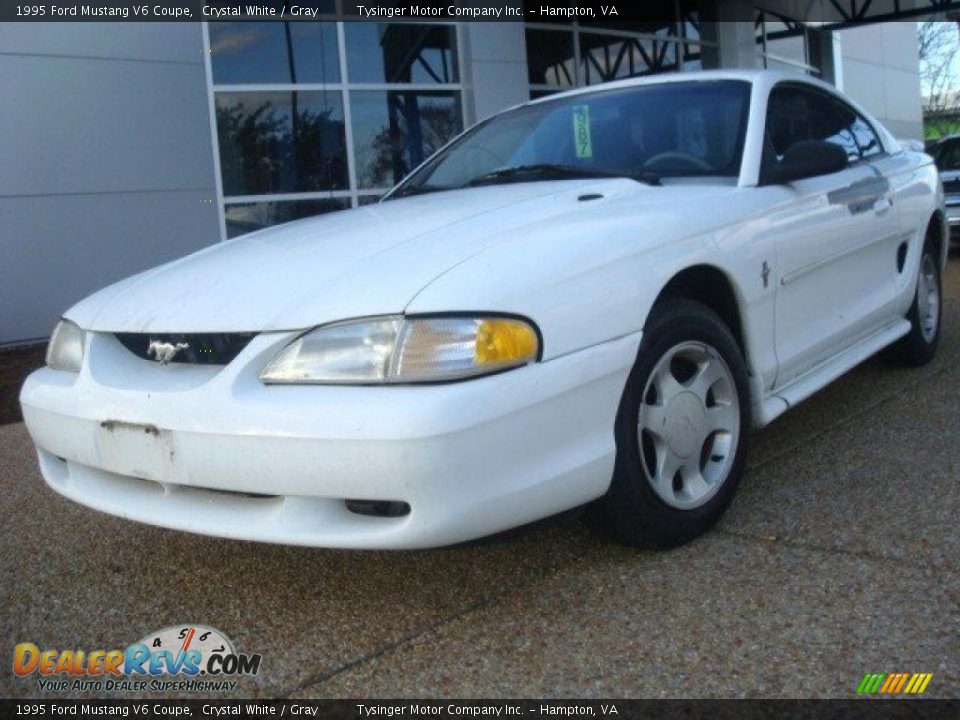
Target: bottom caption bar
<point>874,709</point>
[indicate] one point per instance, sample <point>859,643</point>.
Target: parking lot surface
<point>838,557</point>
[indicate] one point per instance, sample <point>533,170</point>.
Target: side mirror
<point>807,158</point>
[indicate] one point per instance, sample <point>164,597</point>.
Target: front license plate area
<point>135,449</point>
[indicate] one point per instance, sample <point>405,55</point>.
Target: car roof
<point>765,77</point>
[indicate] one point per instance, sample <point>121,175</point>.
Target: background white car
<point>946,155</point>
<point>590,298</point>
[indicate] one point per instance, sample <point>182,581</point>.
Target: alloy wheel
<point>928,298</point>
<point>689,425</point>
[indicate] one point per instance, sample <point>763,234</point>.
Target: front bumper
<point>212,450</point>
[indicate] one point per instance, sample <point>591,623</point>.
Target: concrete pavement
<point>838,557</point>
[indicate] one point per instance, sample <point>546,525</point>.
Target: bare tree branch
<point>939,44</point>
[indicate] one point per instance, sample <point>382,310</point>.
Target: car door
<point>834,235</point>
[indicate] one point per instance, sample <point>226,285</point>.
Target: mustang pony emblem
<point>164,351</point>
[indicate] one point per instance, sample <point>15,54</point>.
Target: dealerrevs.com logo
<point>185,658</point>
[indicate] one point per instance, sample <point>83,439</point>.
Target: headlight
<point>65,351</point>
<point>405,350</point>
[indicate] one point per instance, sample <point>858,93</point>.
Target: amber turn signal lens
<point>503,341</point>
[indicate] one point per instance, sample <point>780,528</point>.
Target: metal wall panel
<point>106,161</point>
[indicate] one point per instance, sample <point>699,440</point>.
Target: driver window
<point>795,114</point>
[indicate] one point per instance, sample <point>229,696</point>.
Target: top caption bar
<point>312,10</point>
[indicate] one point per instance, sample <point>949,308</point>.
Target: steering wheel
<point>674,156</point>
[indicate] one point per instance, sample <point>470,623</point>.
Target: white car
<point>946,154</point>
<point>586,300</point>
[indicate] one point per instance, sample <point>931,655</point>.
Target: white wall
<point>106,161</point>
<point>495,67</point>
<point>880,69</point>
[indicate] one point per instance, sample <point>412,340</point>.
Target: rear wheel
<point>920,345</point>
<point>681,430</point>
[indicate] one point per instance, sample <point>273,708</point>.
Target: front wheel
<point>920,345</point>
<point>681,430</point>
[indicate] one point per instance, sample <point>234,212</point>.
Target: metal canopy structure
<point>836,14</point>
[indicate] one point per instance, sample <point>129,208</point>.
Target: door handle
<point>883,206</point>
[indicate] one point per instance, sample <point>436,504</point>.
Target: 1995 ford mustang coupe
<point>586,300</point>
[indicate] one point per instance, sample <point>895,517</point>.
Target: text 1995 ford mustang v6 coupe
<point>587,299</point>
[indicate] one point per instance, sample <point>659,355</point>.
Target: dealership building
<point>125,145</point>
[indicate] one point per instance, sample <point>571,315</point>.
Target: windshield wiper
<point>417,190</point>
<point>549,171</point>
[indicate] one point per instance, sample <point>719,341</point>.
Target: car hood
<point>367,261</point>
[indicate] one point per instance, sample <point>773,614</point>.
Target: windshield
<point>668,130</point>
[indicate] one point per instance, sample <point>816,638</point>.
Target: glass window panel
<point>606,58</point>
<point>866,138</point>
<point>795,114</point>
<point>771,63</point>
<point>395,131</point>
<point>692,57</point>
<point>690,19</point>
<point>776,29</point>
<point>244,218</point>
<point>401,53</point>
<point>855,134</point>
<point>788,49</point>
<point>550,58</point>
<point>274,52</point>
<point>368,199</point>
<point>843,132</point>
<point>281,142</point>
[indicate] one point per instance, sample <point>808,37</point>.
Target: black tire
<point>631,511</point>
<point>920,345</point>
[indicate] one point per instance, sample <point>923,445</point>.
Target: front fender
<point>582,287</point>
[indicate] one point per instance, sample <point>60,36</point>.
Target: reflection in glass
<point>274,52</point>
<point>550,59</point>
<point>690,19</point>
<point>247,217</point>
<point>866,138</point>
<point>395,131</point>
<point>281,142</point>
<point>401,53</point>
<point>692,57</point>
<point>606,58</point>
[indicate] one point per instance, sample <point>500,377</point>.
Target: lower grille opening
<point>238,493</point>
<point>378,508</point>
